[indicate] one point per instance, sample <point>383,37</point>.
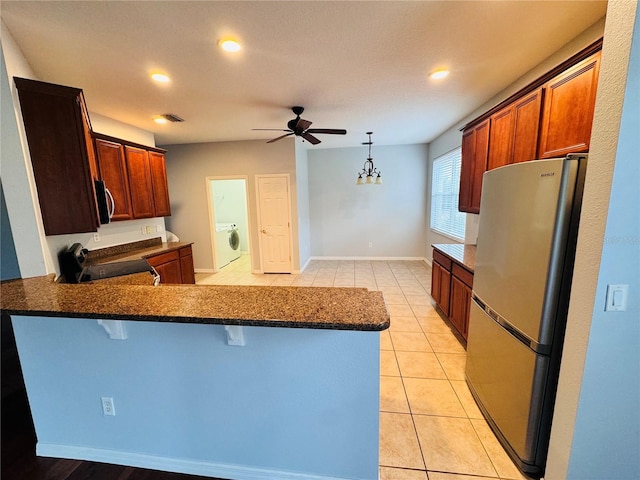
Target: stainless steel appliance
<point>106,205</point>
<point>529,217</point>
<point>74,268</point>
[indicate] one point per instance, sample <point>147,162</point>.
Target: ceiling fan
<point>300,128</point>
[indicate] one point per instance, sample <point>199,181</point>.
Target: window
<point>445,184</point>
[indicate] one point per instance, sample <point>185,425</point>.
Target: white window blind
<point>445,184</point>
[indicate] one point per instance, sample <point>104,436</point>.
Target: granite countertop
<point>133,251</point>
<point>463,254</point>
<point>332,308</point>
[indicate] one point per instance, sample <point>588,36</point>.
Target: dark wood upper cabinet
<point>140,185</point>
<point>466,170</point>
<point>551,117</point>
<point>527,113</point>
<point>59,137</point>
<point>136,176</point>
<point>113,171</point>
<point>160,187</point>
<point>513,131</point>
<point>475,143</point>
<point>501,138</point>
<point>570,100</point>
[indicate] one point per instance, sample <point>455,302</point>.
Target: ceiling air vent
<point>172,118</point>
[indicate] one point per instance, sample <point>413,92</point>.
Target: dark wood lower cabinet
<point>451,285</point>
<point>440,281</point>
<point>186,266</point>
<point>460,305</point>
<point>174,267</point>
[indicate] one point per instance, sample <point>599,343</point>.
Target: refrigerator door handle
<point>521,337</point>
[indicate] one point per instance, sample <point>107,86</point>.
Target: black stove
<point>73,260</point>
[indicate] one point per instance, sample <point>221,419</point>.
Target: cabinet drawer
<point>442,259</point>
<point>463,274</point>
<point>163,258</point>
<point>185,251</point>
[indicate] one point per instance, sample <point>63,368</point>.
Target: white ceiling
<point>355,65</point>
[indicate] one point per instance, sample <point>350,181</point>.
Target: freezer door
<point>524,223</point>
<point>507,380</point>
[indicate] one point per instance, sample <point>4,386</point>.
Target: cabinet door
<point>475,146</point>
<point>159,182</point>
<point>440,280</point>
<point>480,152</point>
<point>113,171</point>
<point>57,134</point>
<point>186,267</point>
<point>501,138</point>
<point>466,170</point>
<point>170,272</point>
<point>459,306</point>
<point>568,110</point>
<point>526,114</point>
<point>140,185</point>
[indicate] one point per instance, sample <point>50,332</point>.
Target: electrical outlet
<point>370,244</point>
<point>158,228</point>
<point>96,237</point>
<point>143,231</point>
<point>148,229</point>
<point>108,407</point>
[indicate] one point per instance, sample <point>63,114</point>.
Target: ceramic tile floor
<point>430,426</point>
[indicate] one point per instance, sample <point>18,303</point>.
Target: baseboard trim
<point>305,265</point>
<point>176,465</point>
<point>371,258</point>
<point>204,270</point>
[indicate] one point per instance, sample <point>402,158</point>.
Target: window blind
<point>445,184</point>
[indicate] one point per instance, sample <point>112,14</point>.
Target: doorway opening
<point>228,219</point>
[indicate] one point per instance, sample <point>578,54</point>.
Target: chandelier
<point>369,170</point>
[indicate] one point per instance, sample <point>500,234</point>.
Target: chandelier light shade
<point>368,170</point>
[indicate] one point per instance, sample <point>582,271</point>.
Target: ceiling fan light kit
<point>368,170</point>
<point>300,128</point>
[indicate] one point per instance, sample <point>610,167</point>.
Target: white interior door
<point>274,221</point>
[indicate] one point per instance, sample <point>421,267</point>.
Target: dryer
<point>227,243</point>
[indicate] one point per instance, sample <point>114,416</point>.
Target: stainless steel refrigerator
<point>529,216</point>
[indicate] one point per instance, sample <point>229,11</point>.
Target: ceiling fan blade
<point>280,137</point>
<point>273,129</point>
<point>310,138</point>
<point>302,125</point>
<point>333,131</point>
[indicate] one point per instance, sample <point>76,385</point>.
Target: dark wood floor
<point>19,461</point>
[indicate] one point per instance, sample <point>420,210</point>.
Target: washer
<point>227,243</point>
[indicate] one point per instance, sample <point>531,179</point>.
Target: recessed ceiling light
<point>229,45</point>
<point>167,117</point>
<point>161,77</point>
<point>439,74</point>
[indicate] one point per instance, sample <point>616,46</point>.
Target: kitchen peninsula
<point>226,381</point>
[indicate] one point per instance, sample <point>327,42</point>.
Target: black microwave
<point>105,202</point>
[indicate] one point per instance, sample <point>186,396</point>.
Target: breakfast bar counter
<point>230,382</point>
<point>294,307</point>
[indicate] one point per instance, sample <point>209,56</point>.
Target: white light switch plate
<point>616,298</point>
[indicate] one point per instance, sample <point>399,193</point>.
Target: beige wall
<point>189,165</point>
